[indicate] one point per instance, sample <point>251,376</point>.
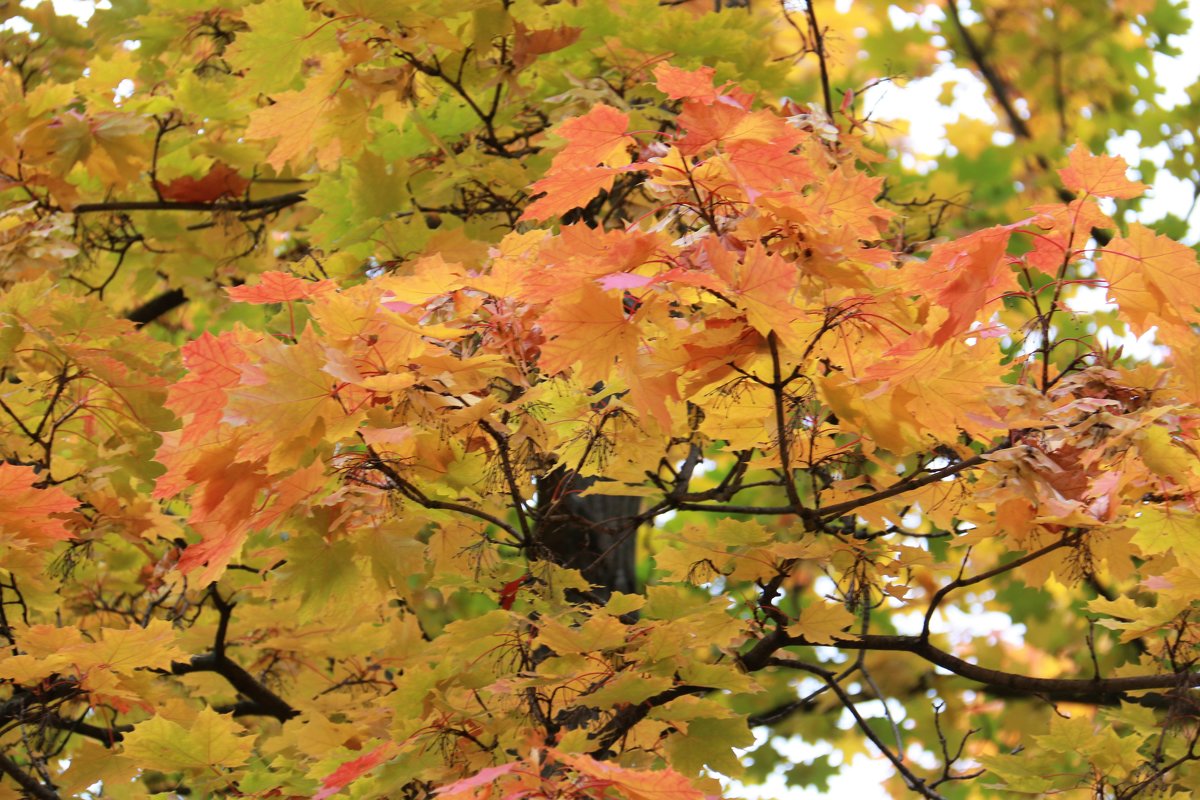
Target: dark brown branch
<point>269,703</point>
<point>905,485</point>
<point>154,308</point>
<point>417,496</point>
<point>219,662</point>
<point>14,708</point>
<point>908,484</point>
<point>961,582</point>
<point>993,79</point>
<point>777,387</point>
<point>106,736</point>
<point>818,38</point>
<point>274,203</point>
<point>1084,690</point>
<point>31,785</point>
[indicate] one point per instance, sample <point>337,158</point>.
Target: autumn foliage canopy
<point>486,399</point>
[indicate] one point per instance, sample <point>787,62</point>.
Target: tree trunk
<point>596,534</point>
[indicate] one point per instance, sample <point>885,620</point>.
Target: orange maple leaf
<point>590,329</point>
<point>664,784</point>
<point>1103,176</point>
<point>762,282</point>
<point>724,123</point>
<point>770,165</point>
<point>1148,273</point>
<point>567,188</point>
<point>279,287</point>
<point>597,149</point>
<point>213,365</point>
<point>682,84</point>
<point>964,275</point>
<point>846,198</point>
<point>31,513</point>
<point>597,137</point>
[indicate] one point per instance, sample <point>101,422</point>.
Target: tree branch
<point>818,38</point>
<point>917,784</point>
<point>904,485</point>
<point>106,736</point>
<point>1085,690</point>
<point>275,203</point>
<point>155,307</point>
<point>993,79</point>
<point>269,703</point>
<point>32,786</point>
<point>218,661</point>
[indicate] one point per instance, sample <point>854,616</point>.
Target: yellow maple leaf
<point>822,623</point>
<point>210,742</point>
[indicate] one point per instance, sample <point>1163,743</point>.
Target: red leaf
<point>508,592</point>
<point>221,181</point>
<point>351,771</point>
<point>964,275</point>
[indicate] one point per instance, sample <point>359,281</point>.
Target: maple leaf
<point>529,44</point>
<point>214,365</point>
<point>596,150</point>
<point>126,651</point>
<point>283,33</point>
<point>279,287</point>
<point>769,165</point>
<point>682,84</point>
<point>1102,176</point>
<point>220,181</point>
<point>723,124</point>
<point>965,275</point>
<point>211,742</point>
<point>822,623</point>
<point>354,769</point>
<point>297,121</point>
<point>763,285</point>
<point>32,515</point>
<point>567,188</point>
<point>591,329</point>
<point>632,784</point>
<point>285,389</point>
<point>1147,272</point>
<point>847,198</point>
<point>597,137</point>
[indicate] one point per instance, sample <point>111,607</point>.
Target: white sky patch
<point>916,102</point>
<point>862,779</point>
<point>83,9</point>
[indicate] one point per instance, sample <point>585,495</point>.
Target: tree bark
<point>595,534</point>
